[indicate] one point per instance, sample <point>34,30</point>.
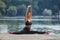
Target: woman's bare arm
<point>31,11</point>
<point>26,14</point>
<point>25,18</point>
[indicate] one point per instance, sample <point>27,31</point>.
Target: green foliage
<point>12,11</point>
<point>38,6</point>
<point>21,9</point>
<point>21,6</point>
<point>0,14</point>
<point>47,12</point>
<point>2,8</point>
<point>2,4</point>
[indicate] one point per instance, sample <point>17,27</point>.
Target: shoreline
<point>28,37</point>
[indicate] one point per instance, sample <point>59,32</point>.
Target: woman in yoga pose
<point>28,23</point>
<point>28,17</point>
<point>27,20</point>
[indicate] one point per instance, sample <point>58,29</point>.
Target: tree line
<point>18,7</point>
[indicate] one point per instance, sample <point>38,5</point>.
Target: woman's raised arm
<point>25,18</point>
<point>31,11</point>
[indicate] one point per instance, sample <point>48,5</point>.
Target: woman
<point>28,23</point>
<point>27,20</point>
<point>28,17</point>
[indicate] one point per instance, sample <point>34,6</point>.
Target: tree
<point>47,12</point>
<point>21,9</point>
<point>0,14</point>
<point>12,11</point>
<point>2,8</point>
<point>2,4</point>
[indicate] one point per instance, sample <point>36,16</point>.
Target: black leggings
<point>27,31</point>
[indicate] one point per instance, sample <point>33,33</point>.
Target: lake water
<point>37,25</point>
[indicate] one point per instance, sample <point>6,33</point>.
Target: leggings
<point>27,31</point>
